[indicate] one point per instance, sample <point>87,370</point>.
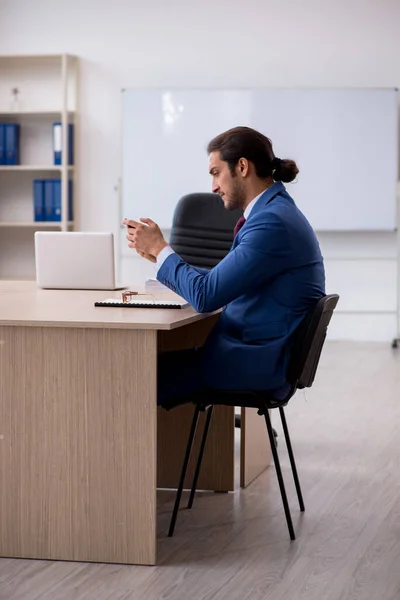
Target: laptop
<point>75,260</point>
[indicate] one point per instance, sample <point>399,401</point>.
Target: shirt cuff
<point>162,256</point>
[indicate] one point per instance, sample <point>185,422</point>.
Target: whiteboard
<point>345,143</point>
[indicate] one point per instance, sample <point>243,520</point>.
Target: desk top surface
<point>23,303</point>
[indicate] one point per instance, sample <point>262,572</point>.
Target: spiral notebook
<point>138,303</point>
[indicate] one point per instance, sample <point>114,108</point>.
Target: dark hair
<point>244,142</point>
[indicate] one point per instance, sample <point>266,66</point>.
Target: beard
<point>237,196</point>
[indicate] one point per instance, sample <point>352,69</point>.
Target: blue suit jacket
<point>272,275</point>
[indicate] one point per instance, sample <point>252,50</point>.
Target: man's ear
<point>243,167</point>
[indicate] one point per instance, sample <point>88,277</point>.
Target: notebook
<point>152,286</point>
<point>137,303</point>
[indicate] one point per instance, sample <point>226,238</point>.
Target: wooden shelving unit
<point>48,92</point>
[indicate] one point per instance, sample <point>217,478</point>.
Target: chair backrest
<point>308,342</point>
<point>202,229</point>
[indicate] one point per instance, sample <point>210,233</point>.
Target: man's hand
<point>145,237</point>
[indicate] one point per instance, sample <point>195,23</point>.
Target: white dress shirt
<point>165,252</point>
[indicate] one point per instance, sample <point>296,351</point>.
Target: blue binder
<point>57,211</point>
<point>2,144</point>
<point>38,200</point>
<point>12,143</point>
<point>48,199</point>
<point>70,200</point>
<point>57,143</point>
<point>56,204</point>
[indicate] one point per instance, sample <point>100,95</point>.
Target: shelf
<point>38,224</point>
<point>34,167</point>
<point>35,56</point>
<point>35,113</point>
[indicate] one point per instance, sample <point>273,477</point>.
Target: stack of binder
<point>47,199</point>
<point>9,144</point>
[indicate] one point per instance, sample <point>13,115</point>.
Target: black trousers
<point>179,374</point>
<point>182,373</point>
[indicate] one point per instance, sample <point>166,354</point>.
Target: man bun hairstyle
<point>244,142</point>
<point>284,170</point>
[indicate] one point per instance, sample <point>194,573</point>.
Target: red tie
<point>239,226</point>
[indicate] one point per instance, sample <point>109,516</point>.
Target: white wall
<point>221,43</point>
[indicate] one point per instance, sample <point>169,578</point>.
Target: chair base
<point>272,440</point>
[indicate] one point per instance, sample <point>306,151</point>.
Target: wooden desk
<point>78,425</point>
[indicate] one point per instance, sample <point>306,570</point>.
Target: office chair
<point>202,229</point>
<point>307,345</point>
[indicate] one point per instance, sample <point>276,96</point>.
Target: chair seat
<point>245,398</point>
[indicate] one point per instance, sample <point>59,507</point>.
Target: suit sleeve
<point>167,251</point>
<point>261,255</point>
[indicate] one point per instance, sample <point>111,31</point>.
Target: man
<point>265,285</point>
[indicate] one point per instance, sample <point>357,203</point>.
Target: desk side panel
<point>255,449</point>
<point>78,444</point>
